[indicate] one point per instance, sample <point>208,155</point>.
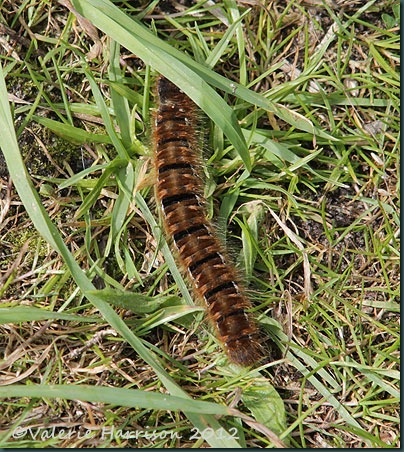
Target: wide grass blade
<point>19,314</point>
<point>117,396</point>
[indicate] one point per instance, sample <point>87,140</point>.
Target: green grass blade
<point>116,396</point>
<point>19,314</point>
<point>120,103</point>
<point>77,178</point>
<point>116,141</point>
<point>71,133</point>
<point>126,182</point>
<point>221,46</point>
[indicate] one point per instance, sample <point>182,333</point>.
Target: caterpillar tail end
<point>244,352</point>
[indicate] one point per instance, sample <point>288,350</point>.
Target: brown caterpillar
<point>179,191</point>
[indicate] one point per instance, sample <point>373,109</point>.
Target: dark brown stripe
<point>205,259</point>
<point>223,318</point>
<point>249,336</point>
<point>219,288</point>
<point>180,235</point>
<point>169,200</point>
<point>163,120</point>
<point>179,141</point>
<point>174,166</point>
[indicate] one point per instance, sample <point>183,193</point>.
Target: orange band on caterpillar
<point>179,191</point>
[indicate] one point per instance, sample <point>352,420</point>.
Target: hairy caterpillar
<point>179,192</point>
